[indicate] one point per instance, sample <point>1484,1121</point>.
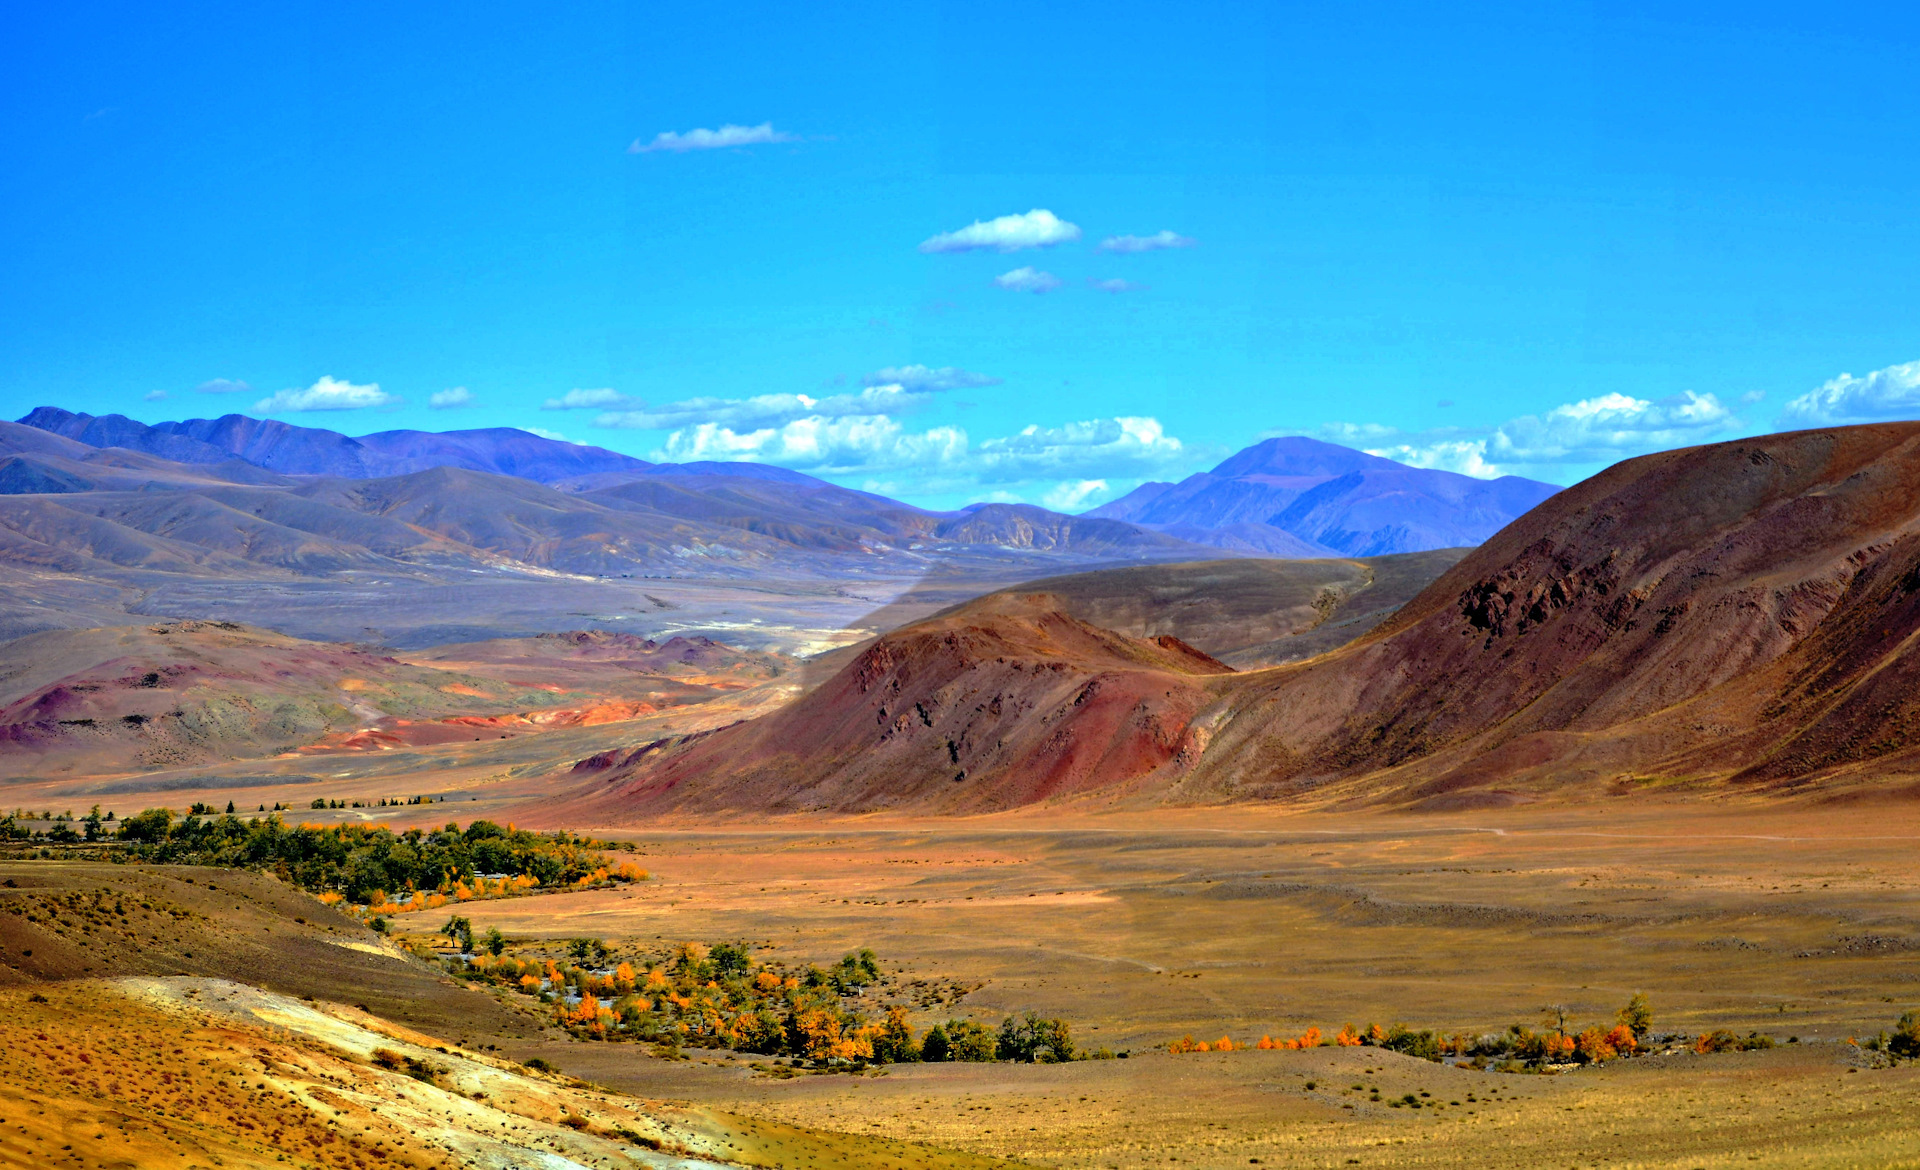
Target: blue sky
<point>1525,239</point>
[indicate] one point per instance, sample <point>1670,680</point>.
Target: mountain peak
<point>1299,455</point>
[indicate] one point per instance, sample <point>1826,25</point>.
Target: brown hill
<point>1735,615</point>
<point>1004,702</point>
<point>1717,613</point>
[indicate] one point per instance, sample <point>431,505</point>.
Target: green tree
<point>1637,1016</point>
<point>151,825</point>
<point>460,930</point>
<point>1032,1038</point>
<point>935,1047</point>
<point>1905,1041</point>
<point>495,941</point>
<point>730,959</point>
<point>969,1040</point>
<point>92,821</point>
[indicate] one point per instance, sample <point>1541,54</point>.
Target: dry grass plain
<point>1796,922</point>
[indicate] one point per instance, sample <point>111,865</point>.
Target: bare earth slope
<point>1738,614</point>
<point>1005,702</point>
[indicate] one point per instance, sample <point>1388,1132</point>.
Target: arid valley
<point>930,586</point>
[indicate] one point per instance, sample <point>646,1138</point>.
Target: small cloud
<point>1152,243</point>
<point>223,386</point>
<point>1114,285</point>
<point>327,394</point>
<point>544,433</point>
<point>156,396</point>
<point>1073,495</point>
<point>1030,280</point>
<point>1444,403</point>
<point>1752,396</point>
<point>602,399</point>
<point>1038,228</point>
<point>926,378</point>
<point>726,136</point>
<point>1891,393</point>
<point>452,399</point>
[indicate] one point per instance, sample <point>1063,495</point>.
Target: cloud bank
<point>873,444</point>
<point>223,386</point>
<point>1890,393</point>
<point>1114,285</point>
<point>327,394</point>
<point>1038,228</point>
<point>1152,243</point>
<point>1600,430</point>
<point>453,399</point>
<point>698,139</point>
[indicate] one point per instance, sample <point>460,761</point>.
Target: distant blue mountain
<point>293,450</point>
<point>1324,499</point>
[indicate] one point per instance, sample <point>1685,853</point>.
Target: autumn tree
<point>893,1044</point>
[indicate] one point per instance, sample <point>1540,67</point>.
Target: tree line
<point>719,997</point>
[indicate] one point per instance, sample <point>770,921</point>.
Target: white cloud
<point>923,378</point>
<point>1891,393</point>
<point>544,433</point>
<point>1030,280</point>
<point>1038,228</point>
<point>1152,243</point>
<point>451,399</point>
<point>1114,285</point>
<point>1111,447</point>
<point>588,400</point>
<point>1600,430</point>
<point>726,136</point>
<point>155,396</point>
<point>767,410</point>
<point>860,443</point>
<point>223,386</point>
<point>327,394</point>
<point>1072,495</point>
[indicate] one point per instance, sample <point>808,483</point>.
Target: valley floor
<point>1796,923</point>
